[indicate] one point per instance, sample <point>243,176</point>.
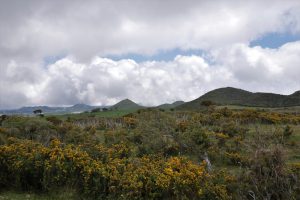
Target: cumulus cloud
<point>273,70</point>
<point>103,81</point>
<point>34,30</point>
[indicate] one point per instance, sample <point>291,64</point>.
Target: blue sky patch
<point>48,60</point>
<point>166,55</point>
<point>275,40</point>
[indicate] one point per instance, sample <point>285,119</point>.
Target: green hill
<point>234,96</point>
<point>126,104</point>
<point>170,105</point>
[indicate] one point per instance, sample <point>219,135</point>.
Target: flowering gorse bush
<point>108,173</point>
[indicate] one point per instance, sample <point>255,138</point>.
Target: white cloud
<point>34,30</point>
<point>263,69</point>
<point>105,81</point>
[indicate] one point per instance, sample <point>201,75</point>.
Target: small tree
<point>38,111</point>
<point>287,132</point>
<point>2,118</point>
<point>96,110</point>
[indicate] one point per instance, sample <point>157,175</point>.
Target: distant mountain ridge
<point>234,96</point>
<point>221,96</point>
<point>28,110</point>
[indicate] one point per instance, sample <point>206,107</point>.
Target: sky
<point>98,52</point>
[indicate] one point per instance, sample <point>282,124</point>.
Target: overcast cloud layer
<point>83,36</point>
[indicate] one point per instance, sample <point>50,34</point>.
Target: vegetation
<point>214,153</point>
<point>170,106</point>
<point>234,96</point>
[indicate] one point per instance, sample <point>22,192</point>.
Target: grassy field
<point>17,195</point>
<point>292,152</point>
<point>293,109</point>
<point>109,114</point>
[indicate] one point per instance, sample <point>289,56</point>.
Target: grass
<point>292,109</point>
<point>292,144</point>
<point>110,114</point>
<point>16,195</point>
<point>294,150</point>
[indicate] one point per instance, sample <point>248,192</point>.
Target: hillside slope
<point>170,105</point>
<point>234,96</point>
<point>126,104</point>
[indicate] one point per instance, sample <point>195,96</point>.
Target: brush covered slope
<point>170,105</point>
<point>234,96</point>
<point>152,154</point>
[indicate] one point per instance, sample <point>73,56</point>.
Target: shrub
<point>268,177</point>
<point>29,165</point>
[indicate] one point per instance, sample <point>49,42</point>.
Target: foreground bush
<point>29,165</point>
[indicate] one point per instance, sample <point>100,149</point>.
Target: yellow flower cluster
<point>182,178</point>
<point>266,117</point>
<point>130,122</point>
<point>221,136</point>
<point>116,176</point>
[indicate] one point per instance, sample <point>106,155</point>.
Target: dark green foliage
<point>287,132</point>
<point>38,111</point>
<point>2,118</point>
<point>96,110</point>
<point>207,103</point>
<point>30,128</point>
<point>194,141</point>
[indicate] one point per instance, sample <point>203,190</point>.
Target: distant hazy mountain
<point>126,104</point>
<point>221,96</point>
<point>80,108</point>
<point>234,96</point>
<point>170,105</point>
<point>51,110</point>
